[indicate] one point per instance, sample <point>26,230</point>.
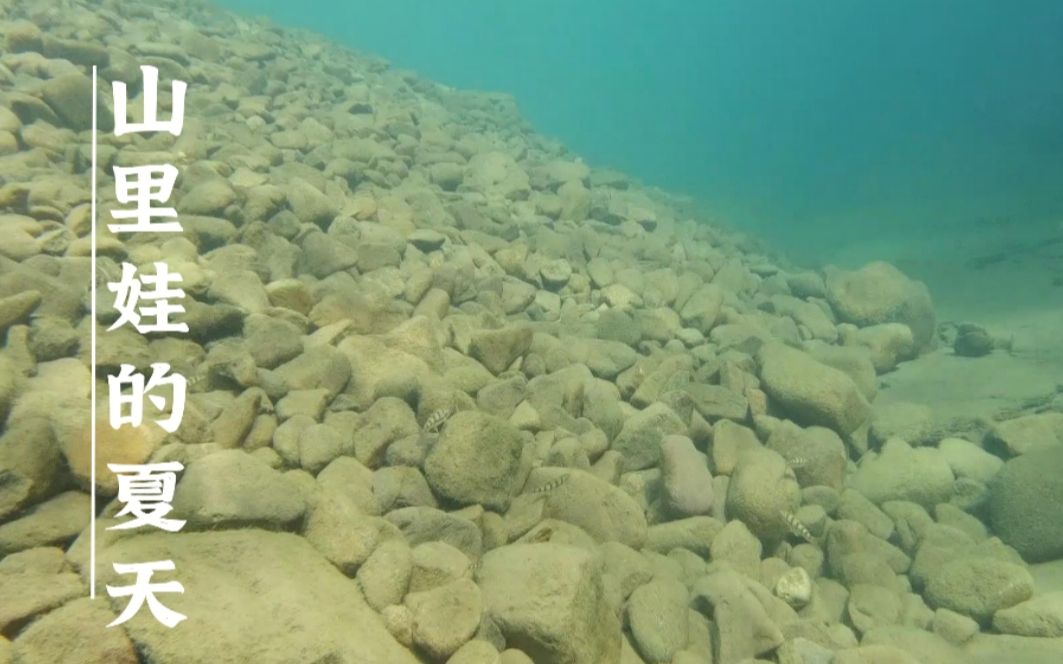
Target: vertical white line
<point>92,384</point>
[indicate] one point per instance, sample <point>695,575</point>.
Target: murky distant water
<point>831,127</point>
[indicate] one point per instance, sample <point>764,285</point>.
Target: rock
<point>742,626</point>
<point>77,51</point>
<point>872,606</point>
<point>271,341</point>
<point>426,524</point>
<point>794,587</point>
<point>853,361</point>
<point>889,343</point>
<point>702,309</point>
<point>555,274</point>
<point>309,204</point>
<point>18,307</point>
<point>426,239</point>
<point>242,579</point>
<point>444,618</point>
<point>817,454</point>
<point>730,442</point>
<point>323,367</point>
<point>401,486</point>
<point>1022,434</point>
<point>72,634</point>
<point>496,174</point>
<point>549,598</point>
<point>605,512</point>
<point>436,564</point>
<point>978,587</point>
<point>737,546</point>
<point>385,575</point>
<point>685,477</point>
<point>30,460</point>
<point>954,627</point>
<point>854,555</point>
<point>348,478</point>
<point>1040,616</point>
<point>855,507</point>
<point>210,197</point>
<point>1026,504</point>
<point>899,472</point>
<point>476,652</point>
<point>761,491</point>
<point>7,386</point>
<point>70,96</point>
<point>811,392</point>
<point>972,341</point>
<point>343,534</point>
<point>323,255</point>
<point>657,617</point>
<point>242,289</point>
<point>639,440</point>
<point>54,522</point>
<point>497,349</point>
<point>24,36</point>
<point>911,422</point>
<point>233,489</point>
<point>715,401</point>
<point>447,175</point>
<point>880,293</point>
<point>477,460</point>
<point>34,582</point>
<point>605,358</point>
<point>306,404</point>
<point>920,645</point>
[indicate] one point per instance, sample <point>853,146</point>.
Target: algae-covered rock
<point>548,599</point>
<point>880,293</point>
<point>1026,504</point>
<point>267,596</point>
<point>476,460</point>
<point>812,393</point>
<point>899,472</point>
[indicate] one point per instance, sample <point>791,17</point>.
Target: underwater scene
<point>531,333</point>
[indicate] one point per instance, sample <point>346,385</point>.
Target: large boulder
<point>880,293</point>
<point>743,627</point>
<point>810,392</point>
<point>476,460</point>
<point>639,440</point>
<point>244,603</point>
<point>605,512</point>
<point>548,600</point>
<point>762,490</point>
<point>1026,504</point>
<point>232,489</point>
<point>900,472</point>
<point>978,587</point>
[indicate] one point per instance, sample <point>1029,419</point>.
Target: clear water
<point>827,126</point>
<point>447,389</point>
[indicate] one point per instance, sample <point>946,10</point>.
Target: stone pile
<point>460,398</point>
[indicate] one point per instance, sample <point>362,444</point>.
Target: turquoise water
<point>436,390</point>
<point>821,124</point>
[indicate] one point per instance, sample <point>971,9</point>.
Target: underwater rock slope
<point>457,397</point>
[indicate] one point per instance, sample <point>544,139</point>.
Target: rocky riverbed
<point>457,397</point>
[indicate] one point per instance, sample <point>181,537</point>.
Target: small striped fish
<point>551,485</point>
<point>797,461</point>
<point>542,535</point>
<point>195,380</point>
<point>437,418</point>
<point>796,527</point>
